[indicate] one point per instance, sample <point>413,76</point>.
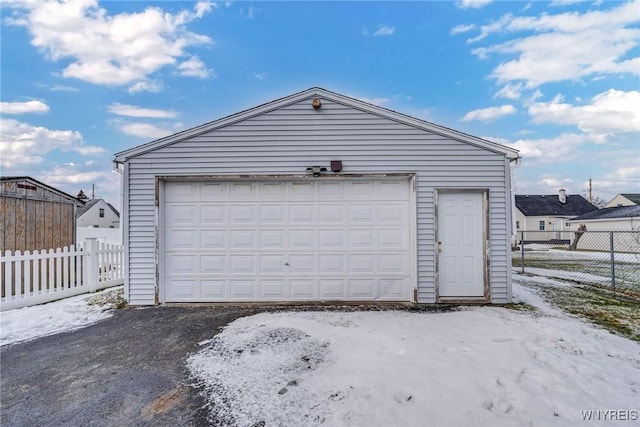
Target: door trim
<point>486,297</point>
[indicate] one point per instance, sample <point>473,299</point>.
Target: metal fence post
<point>522,250</point>
<point>613,263</point>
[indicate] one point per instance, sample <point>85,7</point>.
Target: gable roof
<point>635,198</point>
<point>549,205</point>
<point>314,92</point>
<point>611,213</point>
<point>91,203</point>
<point>34,181</point>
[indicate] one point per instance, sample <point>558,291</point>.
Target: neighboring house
<point>317,197</point>
<point>548,215</point>
<point>98,214</point>
<point>626,199</point>
<point>35,216</point>
<point>625,219</point>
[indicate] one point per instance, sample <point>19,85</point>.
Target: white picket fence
<point>37,277</point>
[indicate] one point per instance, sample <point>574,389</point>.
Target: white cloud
<point>491,113</point>
<point>108,49</point>
<point>135,111</point>
<point>194,67</point>
<point>23,107</point>
<point>555,183</point>
<point>23,144</point>
<point>384,30</point>
<point>72,178</point>
<point>472,4</point>
<point>610,112</point>
<point>510,91</point>
<point>565,46</point>
<point>260,76</point>
<point>462,29</point>
<point>144,130</point>
<point>154,86</point>
<point>560,148</point>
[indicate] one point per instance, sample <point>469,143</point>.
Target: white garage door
<point>287,240</point>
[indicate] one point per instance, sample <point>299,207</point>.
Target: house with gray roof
<point>549,215</point>
<point>624,199</point>
<point>622,221</point>
<point>97,213</point>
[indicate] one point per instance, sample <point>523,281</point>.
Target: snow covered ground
<point>480,366</point>
<point>46,319</point>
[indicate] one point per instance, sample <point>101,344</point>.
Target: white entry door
<point>460,245</point>
<point>301,240</point>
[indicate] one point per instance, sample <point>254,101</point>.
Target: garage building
<point>317,197</point>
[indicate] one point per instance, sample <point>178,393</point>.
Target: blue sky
<point>560,80</point>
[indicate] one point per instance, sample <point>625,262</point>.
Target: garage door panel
<point>183,214</point>
<point>331,289</point>
<point>212,214</point>
<point>302,263</point>
<point>302,289</point>
<point>272,214</point>
<point>213,290</point>
<point>242,214</point>
<point>392,263</point>
<point>242,289</point>
<point>212,239</point>
<point>213,191</point>
<point>331,238</point>
<point>274,290</point>
<point>270,264</point>
<point>361,263</point>
<point>362,289</point>
<point>213,264</point>
<point>361,214</point>
<point>182,264</point>
<point>181,239</point>
<point>183,191</point>
<point>182,290</point>
<point>391,238</point>
<point>331,263</point>
<point>272,239</point>
<point>242,239</point>
<point>242,264</point>
<point>302,239</point>
<point>393,288</point>
<point>302,213</point>
<point>362,238</point>
<point>329,214</point>
<point>241,191</point>
<point>291,240</point>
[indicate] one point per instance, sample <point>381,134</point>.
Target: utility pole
<point>93,191</point>
<point>590,192</point>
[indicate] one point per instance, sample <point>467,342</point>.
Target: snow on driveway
<point>480,366</point>
<point>27,323</point>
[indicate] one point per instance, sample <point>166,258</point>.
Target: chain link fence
<point>601,258</point>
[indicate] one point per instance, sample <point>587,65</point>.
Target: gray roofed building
<point>611,213</point>
<point>550,205</point>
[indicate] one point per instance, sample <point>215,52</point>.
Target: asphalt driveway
<point>124,371</point>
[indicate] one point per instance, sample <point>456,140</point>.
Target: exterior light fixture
<point>316,170</point>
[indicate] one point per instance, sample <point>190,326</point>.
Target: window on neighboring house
<point>517,224</point>
<point>566,224</point>
<point>101,213</point>
<point>541,225</point>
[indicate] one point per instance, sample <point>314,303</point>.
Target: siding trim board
<point>281,139</point>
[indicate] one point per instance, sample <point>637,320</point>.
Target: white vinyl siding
<point>288,140</point>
